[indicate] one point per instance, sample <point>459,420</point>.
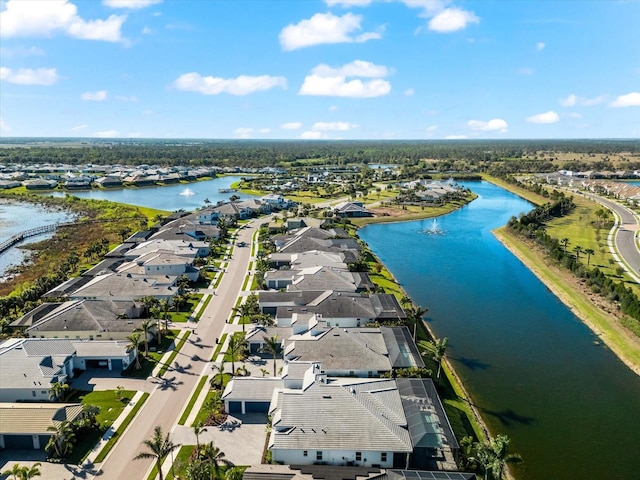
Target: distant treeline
<point>465,155</point>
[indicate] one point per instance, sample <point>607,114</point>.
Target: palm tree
<point>58,391</point>
<point>61,441</point>
<point>565,243</point>
<point>135,340</point>
<point>16,471</point>
<point>494,456</point>
<point>159,446</point>
<point>28,473</point>
<point>235,349</point>
<point>197,430</point>
<point>578,250</point>
<point>437,348</point>
<point>244,310</point>
<point>145,328</point>
<point>272,346</point>
<point>212,455</point>
<point>588,252</point>
<point>217,380</point>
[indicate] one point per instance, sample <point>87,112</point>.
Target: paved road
<point>625,238</point>
<point>165,403</point>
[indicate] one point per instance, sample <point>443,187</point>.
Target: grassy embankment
<point>581,228</point>
<point>96,219</point>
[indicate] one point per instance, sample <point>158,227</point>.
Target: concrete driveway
<point>101,380</point>
<point>241,437</point>
<point>48,471</point>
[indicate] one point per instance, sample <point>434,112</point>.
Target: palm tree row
<point>19,472</point>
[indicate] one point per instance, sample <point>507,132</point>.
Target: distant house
<point>109,181</point>
<point>351,210</point>
<point>40,184</point>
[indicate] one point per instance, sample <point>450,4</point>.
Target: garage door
<point>256,407</point>
<point>116,364</point>
<point>18,441</point>
<point>235,407</point>
<point>255,348</point>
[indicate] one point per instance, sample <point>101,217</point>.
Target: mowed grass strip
<point>192,401</point>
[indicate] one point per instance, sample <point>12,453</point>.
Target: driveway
<point>101,380</point>
<point>241,437</point>
<point>49,471</point>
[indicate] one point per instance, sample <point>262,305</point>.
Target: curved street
<point>625,235</point>
<point>173,391</point>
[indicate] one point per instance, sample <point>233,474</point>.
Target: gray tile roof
<point>338,349</point>
<point>255,389</point>
<point>333,416</point>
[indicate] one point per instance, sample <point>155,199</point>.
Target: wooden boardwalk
<point>32,232</point>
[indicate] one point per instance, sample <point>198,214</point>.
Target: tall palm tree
<point>145,328</point>
<point>58,391</point>
<point>588,252</point>
<point>494,456</point>
<point>272,346</point>
<point>565,243</point>
<point>197,430</point>
<point>135,340</point>
<point>235,349</point>
<point>244,310</point>
<point>437,349</point>
<point>212,455</point>
<point>217,380</point>
<point>159,446</point>
<point>578,250</point>
<point>61,440</point>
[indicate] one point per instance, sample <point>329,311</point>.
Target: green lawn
<point>187,310</point>
<point>192,400</point>
<point>149,363</point>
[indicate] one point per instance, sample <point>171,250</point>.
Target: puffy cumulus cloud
<point>242,85</point>
<point>573,100</point>
<point>29,76</point>
<point>452,20</point>
<point>99,96</point>
<point>334,82</point>
<point>130,4</point>
<point>291,126</point>
<point>332,126</point>
<point>44,18</point>
<point>544,118</point>
<point>243,132</point>
<point>348,3</point>
<point>495,124</point>
<point>340,87</point>
<point>629,100</point>
<point>323,28</point>
<point>105,134</point>
<point>443,19</point>
<point>311,135</point>
<point>357,68</point>
<point>540,46</point>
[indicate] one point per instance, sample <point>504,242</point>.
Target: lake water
<point>17,217</point>
<point>571,408</point>
<point>169,198</point>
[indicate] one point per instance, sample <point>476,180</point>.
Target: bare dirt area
<point>388,212</point>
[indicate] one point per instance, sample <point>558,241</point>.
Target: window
<point>358,456</point>
<point>304,453</point>
<point>383,456</point>
<point>319,455</point>
<point>33,394</point>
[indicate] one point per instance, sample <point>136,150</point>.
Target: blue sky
<point>281,69</point>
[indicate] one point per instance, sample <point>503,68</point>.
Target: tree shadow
<point>472,363</point>
<point>167,383</point>
<point>507,417</point>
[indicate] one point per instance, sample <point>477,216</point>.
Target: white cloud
<point>98,96</point>
<point>329,81</point>
<point>29,76</point>
<point>12,52</point>
<point>629,100</point>
<point>131,4</point>
<point>357,68</point>
<point>323,28</point>
<point>540,46</point>
<point>242,85</point>
<point>452,20</point>
<point>333,108</point>
<point>409,92</point>
<point>348,3</point>
<point>4,126</point>
<point>432,128</point>
<point>340,87</point>
<point>291,126</point>
<point>44,18</point>
<point>105,134</point>
<point>332,126</point>
<point>309,135</point>
<point>455,137</point>
<point>573,100</point>
<point>243,132</point>
<point>542,118</point>
<point>492,125</point>
<point>146,30</point>
<point>265,130</point>
<point>77,128</point>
